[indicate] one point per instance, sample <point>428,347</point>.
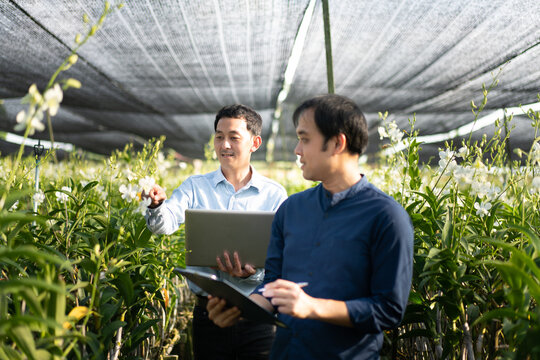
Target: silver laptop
<point>210,232</point>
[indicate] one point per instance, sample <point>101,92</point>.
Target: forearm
<point>331,311</point>
<point>262,301</point>
<point>161,221</point>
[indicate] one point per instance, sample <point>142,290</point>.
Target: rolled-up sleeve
<point>166,218</point>
<point>390,281</point>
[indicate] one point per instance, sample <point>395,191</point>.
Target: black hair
<point>239,111</point>
<point>334,115</point>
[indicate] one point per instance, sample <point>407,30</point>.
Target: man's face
<point>315,162</point>
<point>234,143</point>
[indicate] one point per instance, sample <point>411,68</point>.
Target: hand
<point>157,195</point>
<point>237,269</point>
<point>290,298</point>
<point>219,315</point>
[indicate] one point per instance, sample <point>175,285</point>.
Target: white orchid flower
<point>536,184</point>
<point>143,205</point>
<point>52,99</point>
<point>129,192</point>
<point>60,196</point>
<point>14,206</point>
<point>535,153</point>
<point>463,152</point>
<point>38,197</point>
<point>382,132</point>
<point>147,183</point>
<point>32,119</point>
<point>482,209</point>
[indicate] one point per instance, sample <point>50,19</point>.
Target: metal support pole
<point>328,44</point>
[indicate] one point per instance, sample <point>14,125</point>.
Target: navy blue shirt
<point>359,250</point>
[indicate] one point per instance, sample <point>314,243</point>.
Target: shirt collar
<point>255,181</point>
<point>350,192</point>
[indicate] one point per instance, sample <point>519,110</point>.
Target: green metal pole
<point>328,44</point>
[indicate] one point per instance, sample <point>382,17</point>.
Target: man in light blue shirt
<point>234,186</point>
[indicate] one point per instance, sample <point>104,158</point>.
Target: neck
<point>237,177</point>
<point>342,184</point>
<point>345,175</point>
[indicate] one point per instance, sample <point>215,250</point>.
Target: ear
<point>340,143</point>
<point>257,141</point>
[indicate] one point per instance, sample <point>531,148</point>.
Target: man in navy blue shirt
<point>348,240</point>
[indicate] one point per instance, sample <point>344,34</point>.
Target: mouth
<point>227,155</point>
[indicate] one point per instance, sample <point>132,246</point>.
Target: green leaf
<point>7,352</point>
<point>125,287</point>
<point>57,307</point>
<point>519,274</point>
<point>497,314</point>
<point>139,334</point>
<point>535,240</point>
<point>19,217</point>
<point>109,330</point>
<point>22,337</point>
<point>415,298</point>
<point>89,186</point>
<point>34,254</point>
<point>447,231</point>
<point>16,285</point>
<point>519,254</point>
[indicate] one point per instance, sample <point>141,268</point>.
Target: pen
<point>301,284</point>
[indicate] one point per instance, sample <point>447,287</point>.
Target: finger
<point>212,302</point>
<point>279,293</point>
<point>215,309</point>
<point>282,284</point>
<point>250,269</point>
<point>220,264</point>
<point>230,315</point>
<point>227,261</point>
<point>237,263</point>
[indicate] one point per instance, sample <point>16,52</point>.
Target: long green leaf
<point>497,314</point>
<point>7,353</point>
<point>514,271</point>
<point>20,217</point>
<point>520,254</point>
<point>34,254</point>
<point>10,286</point>
<point>535,240</point>
<point>22,337</point>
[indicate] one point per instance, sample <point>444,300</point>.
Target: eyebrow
<point>230,132</point>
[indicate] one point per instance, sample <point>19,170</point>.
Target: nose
<point>226,144</point>
<point>298,149</point>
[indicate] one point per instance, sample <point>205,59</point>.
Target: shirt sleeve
<point>391,274</point>
<point>166,218</point>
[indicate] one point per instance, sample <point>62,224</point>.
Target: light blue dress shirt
<point>213,191</point>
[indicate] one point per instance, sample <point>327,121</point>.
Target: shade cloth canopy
<point>165,67</point>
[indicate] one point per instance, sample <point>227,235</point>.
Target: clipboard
<point>226,290</point>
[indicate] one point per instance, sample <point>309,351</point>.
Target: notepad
<point>211,232</point>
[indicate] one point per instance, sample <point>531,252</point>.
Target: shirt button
<point>318,243</point>
<point>310,273</point>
